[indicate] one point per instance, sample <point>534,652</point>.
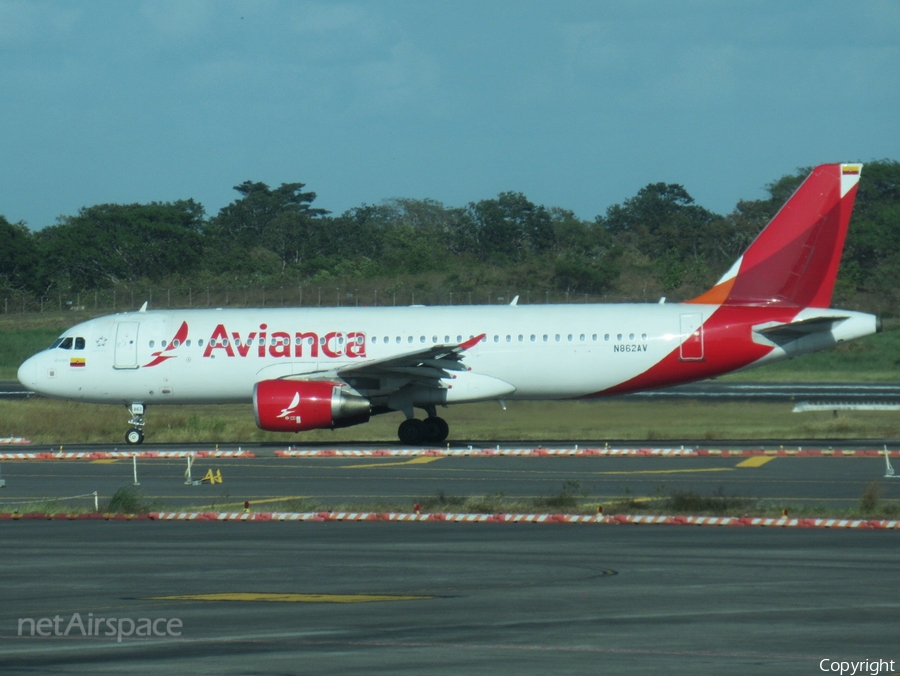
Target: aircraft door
<point>126,345</point>
<point>691,348</point>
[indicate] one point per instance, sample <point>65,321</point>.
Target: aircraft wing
<point>423,367</point>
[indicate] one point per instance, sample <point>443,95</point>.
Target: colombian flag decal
<point>77,362</point>
<point>850,170</point>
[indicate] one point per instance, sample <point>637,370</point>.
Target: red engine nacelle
<point>298,405</point>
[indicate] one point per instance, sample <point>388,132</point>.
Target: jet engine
<point>299,405</point>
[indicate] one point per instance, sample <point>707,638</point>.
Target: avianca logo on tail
<point>289,413</point>
<point>160,356</point>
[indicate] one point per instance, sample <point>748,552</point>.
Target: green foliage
<point>18,255</point>
<point>658,242</point>
<point>719,504</point>
<point>681,238</point>
<point>871,496</point>
<point>112,243</point>
<point>128,500</point>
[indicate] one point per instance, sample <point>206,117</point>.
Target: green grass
<point>47,421</point>
<point>570,499</point>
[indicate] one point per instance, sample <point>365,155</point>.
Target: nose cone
<point>28,373</point>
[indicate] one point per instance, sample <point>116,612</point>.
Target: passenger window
<point>581,337</point>
<point>533,337</point>
<point>79,343</point>
<point>187,343</point>
<point>152,343</point>
<point>421,339</point>
<point>176,343</point>
<point>570,337</point>
<point>496,339</point>
<point>508,339</point>
<point>630,336</point>
<point>557,337</point>
<point>606,336</point>
<point>643,336</point>
<point>434,339</point>
<point>398,340</point>
<point>546,337</point>
<point>200,343</point>
<point>594,337</point>
<point>409,340</point>
<point>619,337</point>
<point>521,338</point>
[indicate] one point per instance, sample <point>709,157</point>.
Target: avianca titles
<point>310,368</point>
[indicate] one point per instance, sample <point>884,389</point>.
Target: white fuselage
<point>540,351</point>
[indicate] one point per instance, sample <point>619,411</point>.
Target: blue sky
<point>575,104</point>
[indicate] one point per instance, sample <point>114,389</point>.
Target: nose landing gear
<point>135,435</point>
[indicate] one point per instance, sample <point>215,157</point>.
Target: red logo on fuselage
<point>160,356</point>
<point>300,344</point>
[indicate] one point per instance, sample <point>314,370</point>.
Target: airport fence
<point>125,297</point>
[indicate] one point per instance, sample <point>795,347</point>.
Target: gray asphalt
<point>500,599</point>
<point>396,482</point>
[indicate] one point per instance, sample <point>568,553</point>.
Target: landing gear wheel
<point>436,429</point>
<point>134,436</point>
<point>411,431</point>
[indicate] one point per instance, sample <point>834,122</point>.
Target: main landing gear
<point>135,435</point>
<point>432,430</point>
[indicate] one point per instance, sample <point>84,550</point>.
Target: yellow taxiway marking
<point>421,460</point>
<point>104,462</point>
<point>669,471</point>
<point>292,598</point>
<point>756,461</point>
<point>217,505</point>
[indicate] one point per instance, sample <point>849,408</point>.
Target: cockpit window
<point>56,344</point>
<point>79,343</point>
<point>67,343</point>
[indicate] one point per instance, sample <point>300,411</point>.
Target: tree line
<point>658,242</point>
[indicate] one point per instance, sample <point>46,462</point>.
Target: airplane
<point>313,368</point>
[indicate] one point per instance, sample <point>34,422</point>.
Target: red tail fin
<point>794,260</point>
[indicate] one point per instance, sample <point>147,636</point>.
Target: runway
<point>462,599</point>
<point>403,598</point>
<point>399,483</point>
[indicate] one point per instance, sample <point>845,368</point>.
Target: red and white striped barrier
<point>580,452</point>
<point>14,441</point>
<point>613,519</point>
<point>600,519</point>
<point>125,455</point>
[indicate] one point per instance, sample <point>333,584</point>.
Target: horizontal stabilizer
<point>785,333</point>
